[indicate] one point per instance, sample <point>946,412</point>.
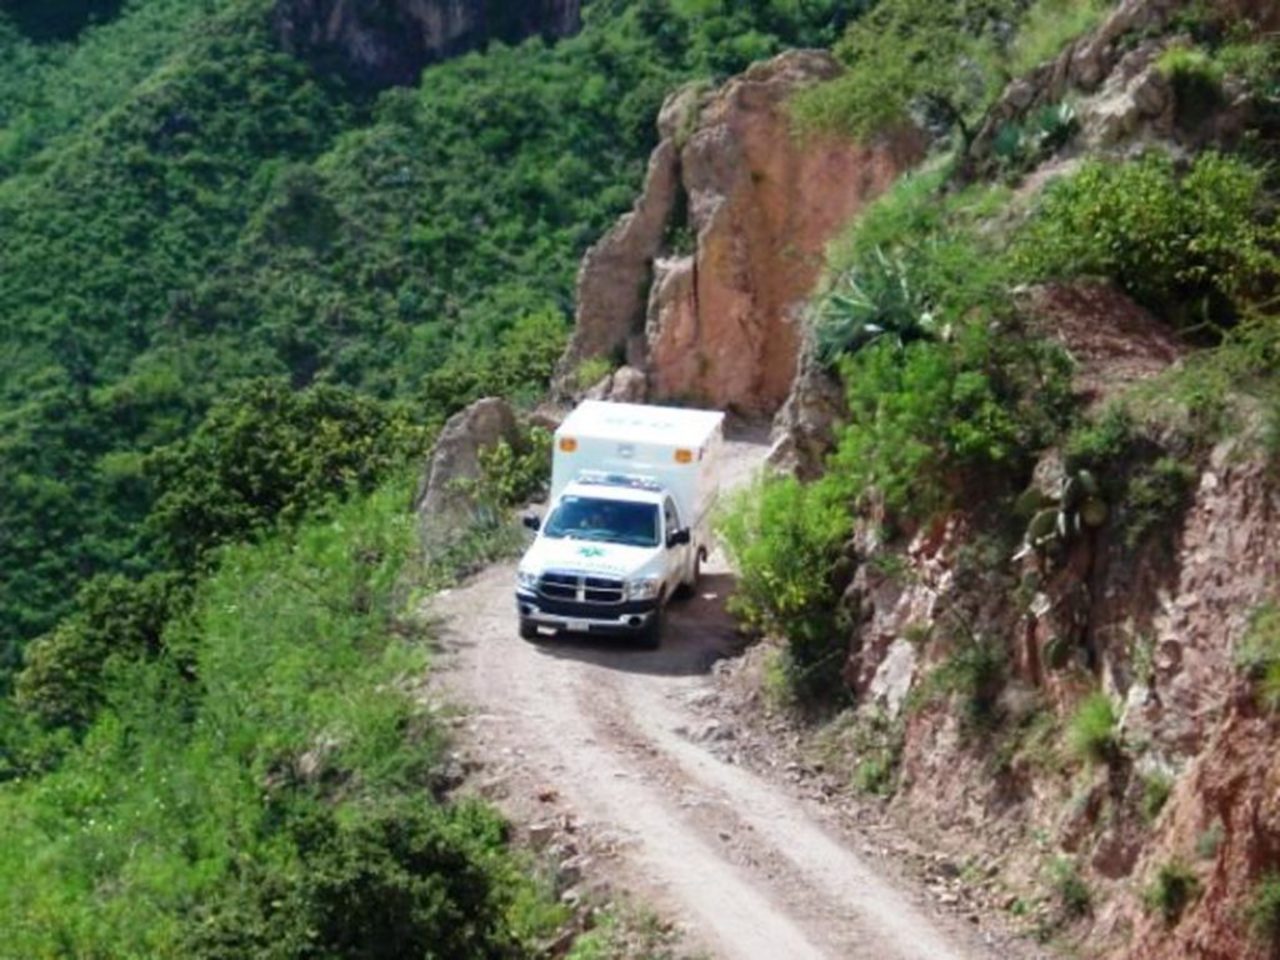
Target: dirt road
<point>609,738</point>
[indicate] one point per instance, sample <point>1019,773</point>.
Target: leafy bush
<point>1069,888</point>
<point>1194,245</point>
<point>976,672</point>
<point>1156,788</point>
<point>1157,494</point>
<point>282,806</point>
<point>1174,887</point>
<point>877,745</point>
<point>1196,78</point>
<point>63,681</point>
<point>1048,26</point>
<point>1264,910</point>
<point>268,453</point>
<point>404,880</point>
<point>784,539</point>
<point>1259,653</point>
<point>936,241</point>
<point>906,55</point>
<point>923,417</point>
<point>1091,732</point>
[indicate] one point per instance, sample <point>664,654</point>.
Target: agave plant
<point>875,299</point>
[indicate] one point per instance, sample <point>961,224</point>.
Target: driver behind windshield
<point>585,518</point>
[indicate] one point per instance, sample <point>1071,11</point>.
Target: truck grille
<point>582,588</point>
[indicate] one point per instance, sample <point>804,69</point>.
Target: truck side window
<point>670,519</point>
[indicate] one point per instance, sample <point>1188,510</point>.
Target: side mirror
<point>532,521</point>
<point>679,538</point>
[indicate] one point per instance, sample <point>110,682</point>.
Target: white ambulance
<point>629,520</point>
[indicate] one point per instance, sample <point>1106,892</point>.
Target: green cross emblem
<point>591,551</point>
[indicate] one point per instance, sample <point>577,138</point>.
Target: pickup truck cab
<point>628,524</point>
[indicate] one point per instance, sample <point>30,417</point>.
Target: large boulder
<point>386,44</point>
<point>445,503</point>
<point>719,324</point>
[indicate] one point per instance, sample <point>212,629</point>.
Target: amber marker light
<point>684,456</point>
<point>568,445</point>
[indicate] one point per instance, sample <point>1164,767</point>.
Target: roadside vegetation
<point>239,298</point>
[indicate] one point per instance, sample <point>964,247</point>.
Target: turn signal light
<point>568,445</point>
<point>684,456</point>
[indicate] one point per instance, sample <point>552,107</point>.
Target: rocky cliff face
<point>387,43</point>
<point>700,287</point>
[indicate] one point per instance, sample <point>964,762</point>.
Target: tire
<point>690,588</point>
<point>528,629</point>
<point>650,638</point>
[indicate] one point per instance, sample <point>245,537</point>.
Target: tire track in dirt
<point>739,860</point>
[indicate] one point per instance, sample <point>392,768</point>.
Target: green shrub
<point>1069,888</point>
<point>63,682</point>
<point>510,476</point>
<point>283,805</point>
<point>267,453</point>
<point>784,539</point>
<point>1156,788</point>
<point>1194,245</point>
<point>1048,26</point>
<point>907,54</point>
<point>1156,496</point>
<point>1091,732</point>
<point>976,673</point>
<point>1264,910</point>
<point>1209,840</point>
<point>407,880</point>
<point>591,371</point>
<point>1174,887</point>
<point>1196,78</point>
<point>936,239</point>
<point>877,743</point>
<point>1258,654</point>
<point>923,417</point>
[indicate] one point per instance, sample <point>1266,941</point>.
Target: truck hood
<point>590,557</point>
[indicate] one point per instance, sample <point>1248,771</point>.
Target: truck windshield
<point>608,521</point>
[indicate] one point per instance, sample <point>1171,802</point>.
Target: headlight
<point>526,580</point>
<point>643,589</point>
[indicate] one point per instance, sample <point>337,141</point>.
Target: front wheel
<point>651,636</point>
<point>528,629</point>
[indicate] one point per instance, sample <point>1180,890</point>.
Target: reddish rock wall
<point>722,322</point>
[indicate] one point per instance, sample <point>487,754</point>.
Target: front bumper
<point>617,619</point>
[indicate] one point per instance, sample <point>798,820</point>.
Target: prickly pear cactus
<point>1056,521</point>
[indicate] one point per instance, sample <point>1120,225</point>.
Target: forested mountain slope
<point>237,293</point>
<point>184,206</point>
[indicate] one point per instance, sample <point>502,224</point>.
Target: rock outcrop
<point>386,44</point>
<point>1157,623</point>
<point>718,324</point>
<point>1120,95</point>
<point>445,503</point>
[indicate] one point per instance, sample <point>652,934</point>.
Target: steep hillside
<point>239,294</point>
<point>186,205</point>
<point>1030,599</point>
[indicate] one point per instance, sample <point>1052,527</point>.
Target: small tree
<point>912,55</point>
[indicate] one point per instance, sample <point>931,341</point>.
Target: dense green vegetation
<point>237,298</point>
<point>951,398</point>
<point>183,207</point>
<point>940,64</point>
<point>281,806</point>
